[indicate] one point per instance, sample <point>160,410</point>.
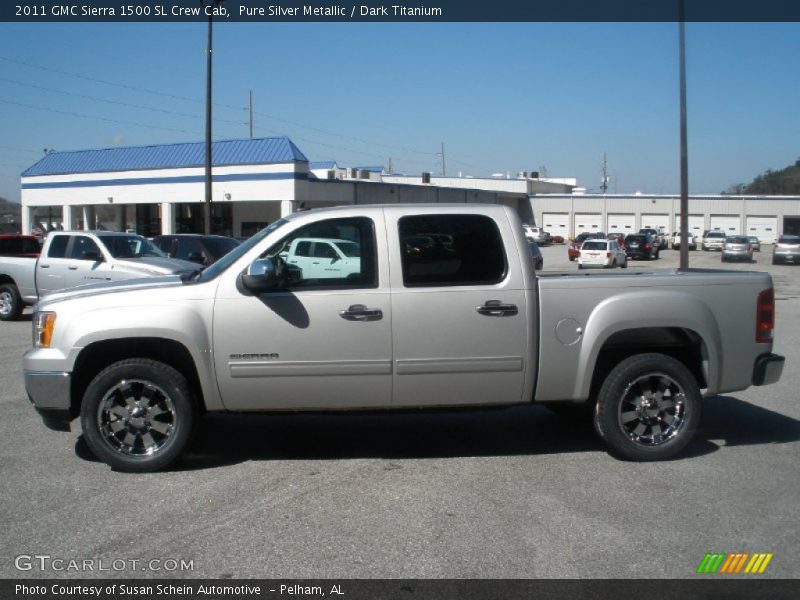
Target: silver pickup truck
<point>73,258</point>
<point>460,322</point>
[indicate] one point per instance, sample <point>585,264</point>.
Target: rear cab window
<point>58,246</point>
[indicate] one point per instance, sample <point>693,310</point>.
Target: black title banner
<point>261,11</point>
<point>400,589</point>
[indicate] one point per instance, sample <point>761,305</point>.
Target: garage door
<point>765,228</point>
<point>556,224</point>
<point>730,224</point>
<point>588,222</point>
<point>623,223</point>
<point>696,223</point>
<point>655,221</point>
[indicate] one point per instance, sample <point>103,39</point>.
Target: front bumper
<point>49,391</point>
<point>768,369</point>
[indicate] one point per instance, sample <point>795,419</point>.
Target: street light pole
<point>684,257</point>
<point>207,204</point>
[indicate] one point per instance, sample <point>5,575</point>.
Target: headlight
<point>43,325</point>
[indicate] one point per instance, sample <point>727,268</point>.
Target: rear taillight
<point>648,246</point>
<point>608,254</point>
<point>765,316</point>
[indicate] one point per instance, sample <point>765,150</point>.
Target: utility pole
<point>207,204</point>
<point>251,114</point>
<point>604,185</point>
<point>390,165</point>
<point>444,167</point>
<point>684,258</point>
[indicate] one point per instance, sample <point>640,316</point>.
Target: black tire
<point>150,386</point>
<point>627,408</point>
<point>571,258</point>
<point>580,266</point>
<point>10,302</point>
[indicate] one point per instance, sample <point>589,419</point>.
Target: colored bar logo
<point>722,563</point>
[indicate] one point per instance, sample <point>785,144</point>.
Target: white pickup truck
<point>72,258</point>
<point>461,322</point>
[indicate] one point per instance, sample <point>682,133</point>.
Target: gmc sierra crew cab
<point>465,323</point>
<point>72,258</point>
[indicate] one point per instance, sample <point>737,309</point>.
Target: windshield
<point>220,246</point>
<point>716,234</point>
<point>789,239</point>
<point>232,256</point>
<point>129,246</point>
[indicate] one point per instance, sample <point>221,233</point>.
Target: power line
<point>96,118</point>
<point>112,83</point>
<point>129,105</point>
<point>21,149</point>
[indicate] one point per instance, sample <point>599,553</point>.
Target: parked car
<point>13,244</point>
<point>574,248</point>
<point>676,241</point>
<point>641,246</point>
<point>617,237</point>
<point>202,249</point>
<point>737,247</point>
<point>659,236</point>
<point>713,240</point>
<point>537,234</point>
<point>77,258</point>
<point>754,242</point>
<point>786,249</point>
<point>140,361</point>
<point>536,255</point>
<point>602,253</point>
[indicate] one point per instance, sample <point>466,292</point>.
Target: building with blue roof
<point>160,188</point>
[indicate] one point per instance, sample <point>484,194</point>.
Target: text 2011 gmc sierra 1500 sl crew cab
<point>72,258</point>
<point>460,322</point>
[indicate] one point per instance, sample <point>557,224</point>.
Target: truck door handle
<point>44,266</point>
<point>359,312</point>
<point>495,308</point>
<point>73,268</point>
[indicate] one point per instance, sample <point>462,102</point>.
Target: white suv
<point>537,234</point>
<point>714,240</point>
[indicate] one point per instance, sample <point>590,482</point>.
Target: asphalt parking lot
<point>515,493</point>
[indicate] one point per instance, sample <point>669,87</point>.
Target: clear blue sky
<point>502,97</point>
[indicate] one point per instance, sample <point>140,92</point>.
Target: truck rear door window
<point>451,250</point>
<point>58,246</point>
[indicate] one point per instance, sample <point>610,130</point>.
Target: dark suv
<point>202,249</point>
<point>641,246</point>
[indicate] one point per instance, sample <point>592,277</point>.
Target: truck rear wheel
<point>648,408</point>
<point>138,415</point>
<point>10,302</point>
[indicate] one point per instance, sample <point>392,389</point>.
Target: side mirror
<point>260,276</point>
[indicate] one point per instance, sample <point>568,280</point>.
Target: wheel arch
<point>98,355</point>
<point>686,329</point>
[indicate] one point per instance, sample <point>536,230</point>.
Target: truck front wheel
<point>138,415</point>
<point>648,408</point>
<point>10,302</point>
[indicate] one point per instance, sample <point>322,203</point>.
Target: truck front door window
<point>333,253</point>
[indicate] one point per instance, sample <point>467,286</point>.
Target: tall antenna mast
<point>604,185</point>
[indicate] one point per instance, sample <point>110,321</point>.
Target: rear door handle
<point>495,308</point>
<point>359,312</point>
<point>44,266</point>
<point>73,268</point>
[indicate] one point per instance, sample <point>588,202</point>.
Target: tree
<point>784,182</point>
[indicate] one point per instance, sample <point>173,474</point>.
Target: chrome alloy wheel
<point>6,303</point>
<point>652,410</point>
<point>136,418</point>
